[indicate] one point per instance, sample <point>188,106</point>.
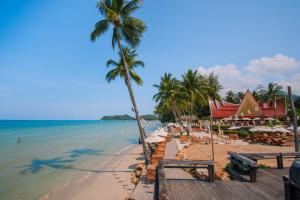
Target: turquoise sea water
<point>50,153</point>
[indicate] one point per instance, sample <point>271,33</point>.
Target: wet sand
<point>110,180</point>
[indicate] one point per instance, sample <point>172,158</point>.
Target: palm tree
<point>119,69</point>
<point>169,93</point>
<point>117,14</point>
<point>273,90</point>
<point>195,89</point>
<point>215,86</point>
<point>231,97</point>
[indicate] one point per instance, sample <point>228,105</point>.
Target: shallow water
<point>38,156</point>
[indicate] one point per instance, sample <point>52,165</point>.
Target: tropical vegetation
<point>186,96</point>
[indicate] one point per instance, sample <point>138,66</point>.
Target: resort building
<point>248,108</point>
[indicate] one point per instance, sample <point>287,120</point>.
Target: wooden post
<point>279,161</point>
<point>294,118</point>
<point>211,173</point>
<point>253,174</point>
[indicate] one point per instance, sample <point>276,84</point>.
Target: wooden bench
<point>248,161</point>
<point>240,162</point>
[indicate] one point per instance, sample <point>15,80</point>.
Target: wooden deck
<point>269,185</point>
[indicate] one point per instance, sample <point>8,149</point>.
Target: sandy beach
<point>110,180</point>
<point>199,151</point>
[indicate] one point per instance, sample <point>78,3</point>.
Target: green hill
<point>118,117</point>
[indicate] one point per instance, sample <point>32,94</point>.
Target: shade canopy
<point>154,139</point>
<point>159,132</point>
<point>234,128</point>
<point>269,129</point>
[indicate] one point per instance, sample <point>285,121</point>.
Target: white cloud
<point>281,69</point>
<point>277,65</point>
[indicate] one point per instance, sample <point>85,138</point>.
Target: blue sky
<point>49,69</point>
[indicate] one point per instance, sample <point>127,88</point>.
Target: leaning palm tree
<point>117,14</point>
<point>119,69</point>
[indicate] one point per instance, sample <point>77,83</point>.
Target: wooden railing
<point>160,188</point>
<point>248,161</point>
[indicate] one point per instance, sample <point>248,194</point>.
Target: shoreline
<point>113,174</point>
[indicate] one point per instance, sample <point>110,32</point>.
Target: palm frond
<point>112,63</point>
<point>132,30</point>
<point>112,75</point>
<point>130,7</point>
<point>115,37</point>
<point>135,77</point>
<point>100,28</point>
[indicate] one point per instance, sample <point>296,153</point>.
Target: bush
<point>243,134</point>
<point>216,127</point>
<point>227,132</point>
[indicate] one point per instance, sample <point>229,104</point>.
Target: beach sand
<point>199,151</point>
<point>111,180</point>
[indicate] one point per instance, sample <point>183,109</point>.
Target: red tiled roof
<point>224,109</point>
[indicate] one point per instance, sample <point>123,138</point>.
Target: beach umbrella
<point>234,128</point>
<point>162,133</point>
<point>292,128</point>
<point>280,129</point>
<point>256,118</point>
<point>270,118</point>
<point>246,118</point>
<point>154,139</point>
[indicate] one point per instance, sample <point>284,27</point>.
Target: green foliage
<point>297,103</point>
<point>262,166</point>
<point>227,132</point>
<point>117,14</point>
<point>118,117</point>
<point>222,127</point>
<point>119,67</point>
<point>243,133</point>
<point>232,97</point>
<point>187,96</point>
<point>227,168</point>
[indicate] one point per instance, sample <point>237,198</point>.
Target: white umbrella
<point>292,128</point>
<point>154,139</point>
<point>246,118</point>
<point>280,129</point>
<point>234,128</point>
<point>162,133</point>
<point>261,129</point>
<point>270,118</point>
<point>256,118</point>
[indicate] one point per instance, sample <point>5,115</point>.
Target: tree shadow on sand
<point>80,152</point>
<point>38,164</point>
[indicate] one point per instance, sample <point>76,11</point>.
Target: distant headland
<point>128,117</point>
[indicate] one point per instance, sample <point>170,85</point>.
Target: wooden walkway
<point>269,185</point>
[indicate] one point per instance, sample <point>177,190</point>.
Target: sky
<point>49,68</point>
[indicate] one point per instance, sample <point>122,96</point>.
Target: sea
<point>38,156</point>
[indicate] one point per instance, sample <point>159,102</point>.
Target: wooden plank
<point>269,186</point>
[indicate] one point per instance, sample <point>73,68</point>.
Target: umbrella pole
<point>212,140</point>
<point>294,119</point>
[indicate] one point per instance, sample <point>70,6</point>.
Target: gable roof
<point>249,106</point>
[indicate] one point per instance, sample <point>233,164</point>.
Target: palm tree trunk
<point>137,115</point>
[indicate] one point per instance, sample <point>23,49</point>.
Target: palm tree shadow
<point>80,152</point>
<point>38,164</point>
